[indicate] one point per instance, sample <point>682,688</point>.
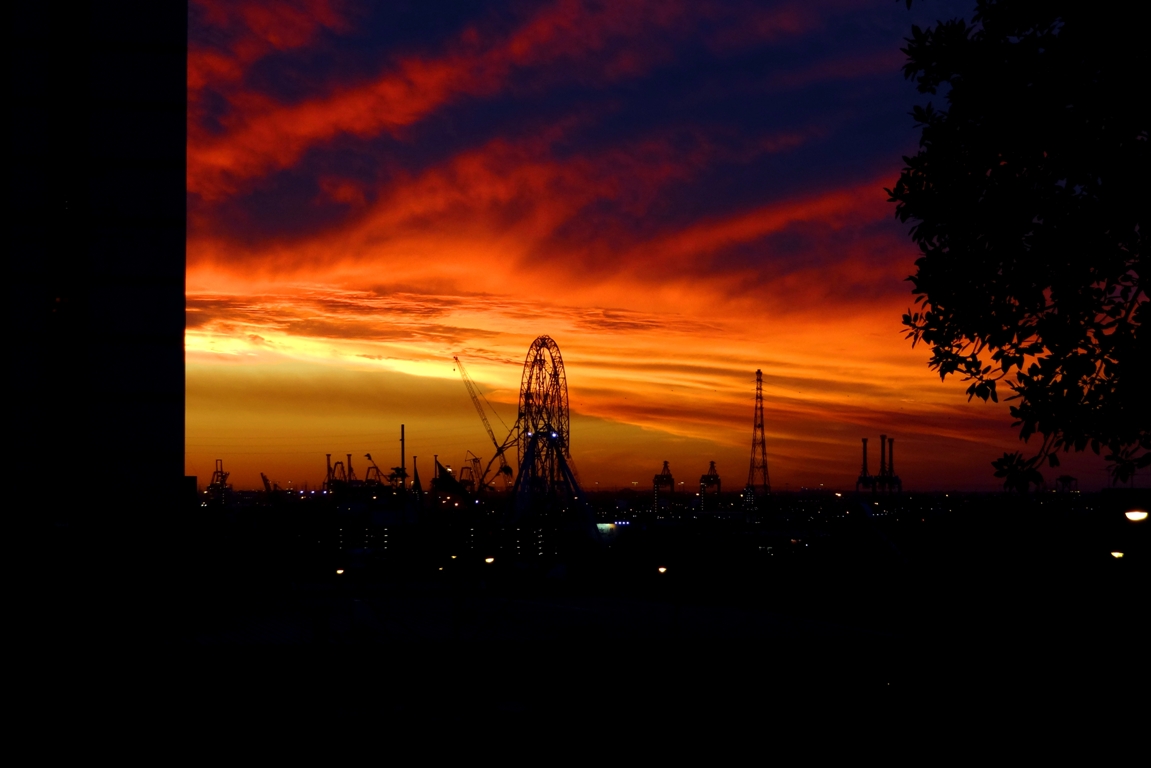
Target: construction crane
<point>505,470</point>
<point>475,462</point>
<point>219,490</point>
<point>470,477</point>
<point>219,476</point>
<point>373,476</point>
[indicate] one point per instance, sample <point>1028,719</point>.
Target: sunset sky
<point>677,193</point>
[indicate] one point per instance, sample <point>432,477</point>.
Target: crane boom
<point>504,469</point>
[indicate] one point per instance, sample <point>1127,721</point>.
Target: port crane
<point>505,470</point>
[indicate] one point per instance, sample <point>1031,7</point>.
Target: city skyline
<point>678,195</point>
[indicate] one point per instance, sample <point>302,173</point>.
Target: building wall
<point>95,290</point>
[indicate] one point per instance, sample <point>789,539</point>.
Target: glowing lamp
<point>662,569</point>
<point>1117,555</point>
<point>339,571</point>
<point>453,557</point>
<point>489,559</point>
<point>1136,515</point>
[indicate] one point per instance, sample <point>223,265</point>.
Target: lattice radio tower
<point>757,472</point>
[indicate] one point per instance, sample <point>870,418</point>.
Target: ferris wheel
<point>544,424</point>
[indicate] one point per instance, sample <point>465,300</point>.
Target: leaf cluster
<point>1028,199</point>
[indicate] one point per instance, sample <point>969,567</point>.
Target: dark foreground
<point>904,600</point>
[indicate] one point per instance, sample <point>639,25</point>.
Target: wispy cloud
<point>678,193</point>
<point>567,40</point>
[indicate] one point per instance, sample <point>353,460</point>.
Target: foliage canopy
<point>1028,199</point>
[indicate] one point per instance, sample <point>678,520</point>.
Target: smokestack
<point>403,458</point>
<point>864,472</point>
<point>329,466</point>
<point>883,455</point>
<point>350,470</point>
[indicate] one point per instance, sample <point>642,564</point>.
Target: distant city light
<point>339,571</point>
<point>1116,555</point>
<point>839,494</point>
<point>662,569</point>
<point>1136,515</point>
<point>489,559</point>
<point>453,557</point>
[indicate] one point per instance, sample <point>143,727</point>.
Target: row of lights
<point>490,560</point>
<point>1134,515</point>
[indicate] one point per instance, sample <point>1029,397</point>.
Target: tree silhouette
<point>1028,199</point>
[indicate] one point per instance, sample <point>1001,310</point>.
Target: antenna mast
<point>757,472</point>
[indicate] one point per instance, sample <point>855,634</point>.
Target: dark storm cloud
<point>646,115</point>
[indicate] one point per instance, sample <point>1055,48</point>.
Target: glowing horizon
<point>678,194</point>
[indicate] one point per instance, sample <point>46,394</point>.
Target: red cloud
<point>252,30</point>
<point>522,201</point>
<point>597,42</point>
<point>835,208</point>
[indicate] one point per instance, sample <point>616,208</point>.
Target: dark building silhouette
<point>710,488</point>
<point>95,289</point>
<point>865,480</point>
<point>662,479</point>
